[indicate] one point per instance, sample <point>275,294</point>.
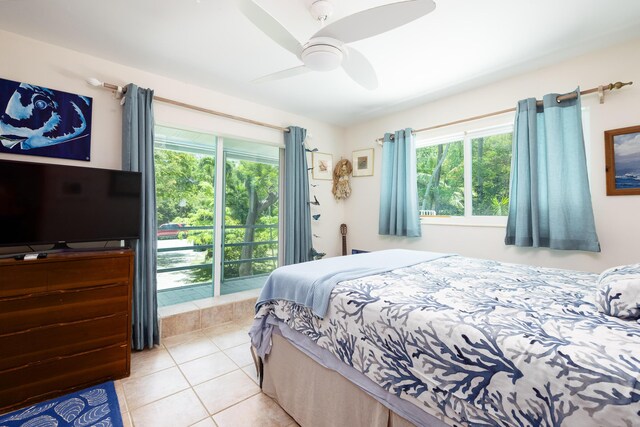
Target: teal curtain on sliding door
<point>137,155</point>
<point>550,202</point>
<point>297,214</point>
<point>399,215</point>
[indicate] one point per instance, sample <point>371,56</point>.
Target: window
<point>465,175</point>
<point>217,214</point>
<point>441,178</point>
<point>490,169</point>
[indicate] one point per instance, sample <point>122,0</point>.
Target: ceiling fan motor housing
<point>322,54</point>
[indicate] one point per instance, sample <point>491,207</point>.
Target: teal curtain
<point>399,214</point>
<point>137,155</point>
<point>297,214</point>
<point>549,201</point>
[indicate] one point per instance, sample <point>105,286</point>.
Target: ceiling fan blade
<point>283,74</point>
<point>359,69</point>
<point>376,20</point>
<point>268,25</point>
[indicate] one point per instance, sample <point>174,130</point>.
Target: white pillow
<point>618,292</point>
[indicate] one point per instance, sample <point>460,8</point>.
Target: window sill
<point>479,221</point>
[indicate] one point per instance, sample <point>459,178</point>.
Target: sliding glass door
<point>217,220</point>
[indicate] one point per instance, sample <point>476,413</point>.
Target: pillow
<point>618,292</point>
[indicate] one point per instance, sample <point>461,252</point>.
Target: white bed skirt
<point>319,397</point>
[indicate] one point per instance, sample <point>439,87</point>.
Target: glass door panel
<point>250,223</point>
<point>185,194</point>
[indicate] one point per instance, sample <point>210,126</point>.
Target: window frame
<point>468,219</point>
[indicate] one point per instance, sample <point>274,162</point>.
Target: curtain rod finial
<point>618,85</point>
<point>94,82</point>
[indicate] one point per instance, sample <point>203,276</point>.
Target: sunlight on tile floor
<point>201,379</point>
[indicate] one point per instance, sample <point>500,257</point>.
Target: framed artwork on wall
<point>322,165</point>
<point>39,121</point>
<point>363,162</point>
<point>623,161</point>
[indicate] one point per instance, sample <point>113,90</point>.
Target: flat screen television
<point>54,204</point>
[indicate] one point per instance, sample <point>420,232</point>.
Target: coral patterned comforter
<point>483,343</point>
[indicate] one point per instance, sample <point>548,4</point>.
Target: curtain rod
<point>600,90</point>
<point>120,89</point>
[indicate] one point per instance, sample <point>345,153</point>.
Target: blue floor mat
<point>94,406</point>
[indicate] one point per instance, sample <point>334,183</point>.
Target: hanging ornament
<point>341,186</point>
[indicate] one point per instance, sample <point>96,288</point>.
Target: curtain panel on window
<point>399,214</point>
<point>137,155</point>
<point>549,201</point>
<point>297,214</point>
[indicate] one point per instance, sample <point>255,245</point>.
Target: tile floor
<point>202,379</point>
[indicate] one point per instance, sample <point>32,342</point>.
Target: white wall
<point>35,62</point>
<point>617,218</point>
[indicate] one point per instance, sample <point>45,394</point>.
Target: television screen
<point>43,203</point>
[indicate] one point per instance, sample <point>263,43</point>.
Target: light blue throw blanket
<point>310,283</point>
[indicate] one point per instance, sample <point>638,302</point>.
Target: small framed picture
<point>363,162</point>
<point>623,161</point>
<point>322,165</point>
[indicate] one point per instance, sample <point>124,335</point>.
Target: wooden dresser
<point>65,324</point>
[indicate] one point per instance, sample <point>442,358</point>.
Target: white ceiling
<point>211,44</point>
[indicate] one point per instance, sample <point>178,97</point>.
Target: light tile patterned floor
<point>201,379</point>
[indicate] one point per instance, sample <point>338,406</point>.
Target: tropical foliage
<point>491,165</point>
<point>185,194</point>
<point>251,215</point>
<point>441,176</point>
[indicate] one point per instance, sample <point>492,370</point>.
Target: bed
<point>445,340</point>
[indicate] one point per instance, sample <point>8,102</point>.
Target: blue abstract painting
<point>95,406</point>
<point>39,121</point>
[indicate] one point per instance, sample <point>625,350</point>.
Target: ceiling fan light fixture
<point>321,10</point>
<point>322,57</point>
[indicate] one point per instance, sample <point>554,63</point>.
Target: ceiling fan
<point>326,50</point>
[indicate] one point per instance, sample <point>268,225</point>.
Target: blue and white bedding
<point>482,343</point>
<point>310,283</point>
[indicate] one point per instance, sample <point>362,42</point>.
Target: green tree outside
<point>491,165</point>
<point>441,176</point>
<point>185,194</point>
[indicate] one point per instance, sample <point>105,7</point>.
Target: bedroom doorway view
<point>188,187</point>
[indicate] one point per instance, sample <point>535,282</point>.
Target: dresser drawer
<point>90,272</point>
<point>29,277</point>
<point>41,344</point>
<point>25,312</point>
<point>23,278</point>
<point>56,377</point>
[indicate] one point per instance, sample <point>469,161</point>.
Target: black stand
<point>60,246</point>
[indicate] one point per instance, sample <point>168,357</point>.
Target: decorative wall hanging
<point>341,187</point>
<point>363,162</point>
<point>623,161</point>
<point>322,164</point>
<point>44,122</point>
